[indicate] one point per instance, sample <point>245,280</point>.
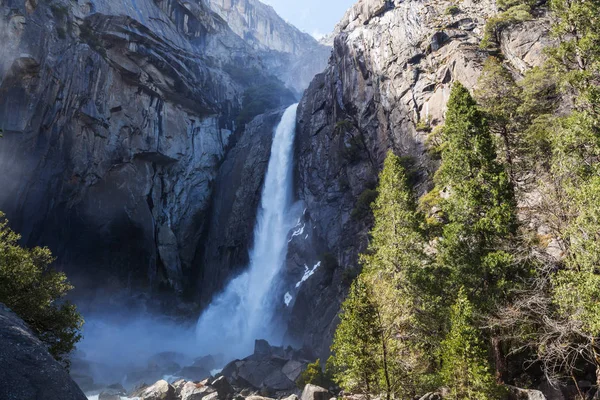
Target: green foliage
<point>356,340</point>
<point>314,375</point>
<point>33,290</point>
<point>391,267</point>
<point>496,24</point>
<point>464,367</point>
<point>500,97</point>
<point>479,208</point>
<point>363,204</point>
<point>423,126</point>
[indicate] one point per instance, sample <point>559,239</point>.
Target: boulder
<point>161,390</point>
<point>516,393</point>
<point>314,392</point>
<point>223,388</point>
<point>196,391</point>
<point>178,386</point>
<point>27,370</point>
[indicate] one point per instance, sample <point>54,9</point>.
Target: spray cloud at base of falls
<point>244,311</point>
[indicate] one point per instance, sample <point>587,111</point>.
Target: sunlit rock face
<point>391,70</point>
<point>295,56</point>
<point>116,117</point>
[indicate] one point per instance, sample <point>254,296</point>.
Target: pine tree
<point>464,369</point>
<point>478,206</point>
<point>500,98</point>
<point>356,345</point>
<point>392,267</point>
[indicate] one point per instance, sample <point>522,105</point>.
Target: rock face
<point>392,68</point>
<point>284,47</point>
<point>27,370</point>
<point>116,116</point>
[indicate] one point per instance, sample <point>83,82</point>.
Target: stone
<point>313,392</point>
<point>161,390</point>
<point>27,370</point>
<point>516,393</point>
<point>223,388</point>
<point>195,391</point>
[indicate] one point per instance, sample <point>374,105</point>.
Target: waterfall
<point>244,310</point>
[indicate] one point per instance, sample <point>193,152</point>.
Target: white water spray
<point>243,312</point>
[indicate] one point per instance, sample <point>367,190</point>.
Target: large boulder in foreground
<point>27,370</point>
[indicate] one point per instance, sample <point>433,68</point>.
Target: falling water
<point>243,312</point>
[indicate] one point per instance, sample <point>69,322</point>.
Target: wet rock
<point>27,370</point>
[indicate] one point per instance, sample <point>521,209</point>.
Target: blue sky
<point>317,17</point>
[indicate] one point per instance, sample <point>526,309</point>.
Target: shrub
<point>495,25</point>
<point>313,374</point>
<point>33,290</point>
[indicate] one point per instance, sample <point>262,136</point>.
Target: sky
<point>316,17</point>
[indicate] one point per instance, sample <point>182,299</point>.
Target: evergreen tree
<point>33,290</point>
<point>356,345</point>
<point>500,97</point>
<point>464,369</point>
<point>478,206</point>
<point>392,266</point>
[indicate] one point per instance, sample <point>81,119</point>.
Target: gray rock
<point>27,370</point>
<point>121,116</point>
<point>516,393</point>
<point>161,390</point>
<point>313,392</point>
<point>223,388</point>
<point>194,391</point>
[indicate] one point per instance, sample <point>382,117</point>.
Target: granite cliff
<point>116,117</point>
